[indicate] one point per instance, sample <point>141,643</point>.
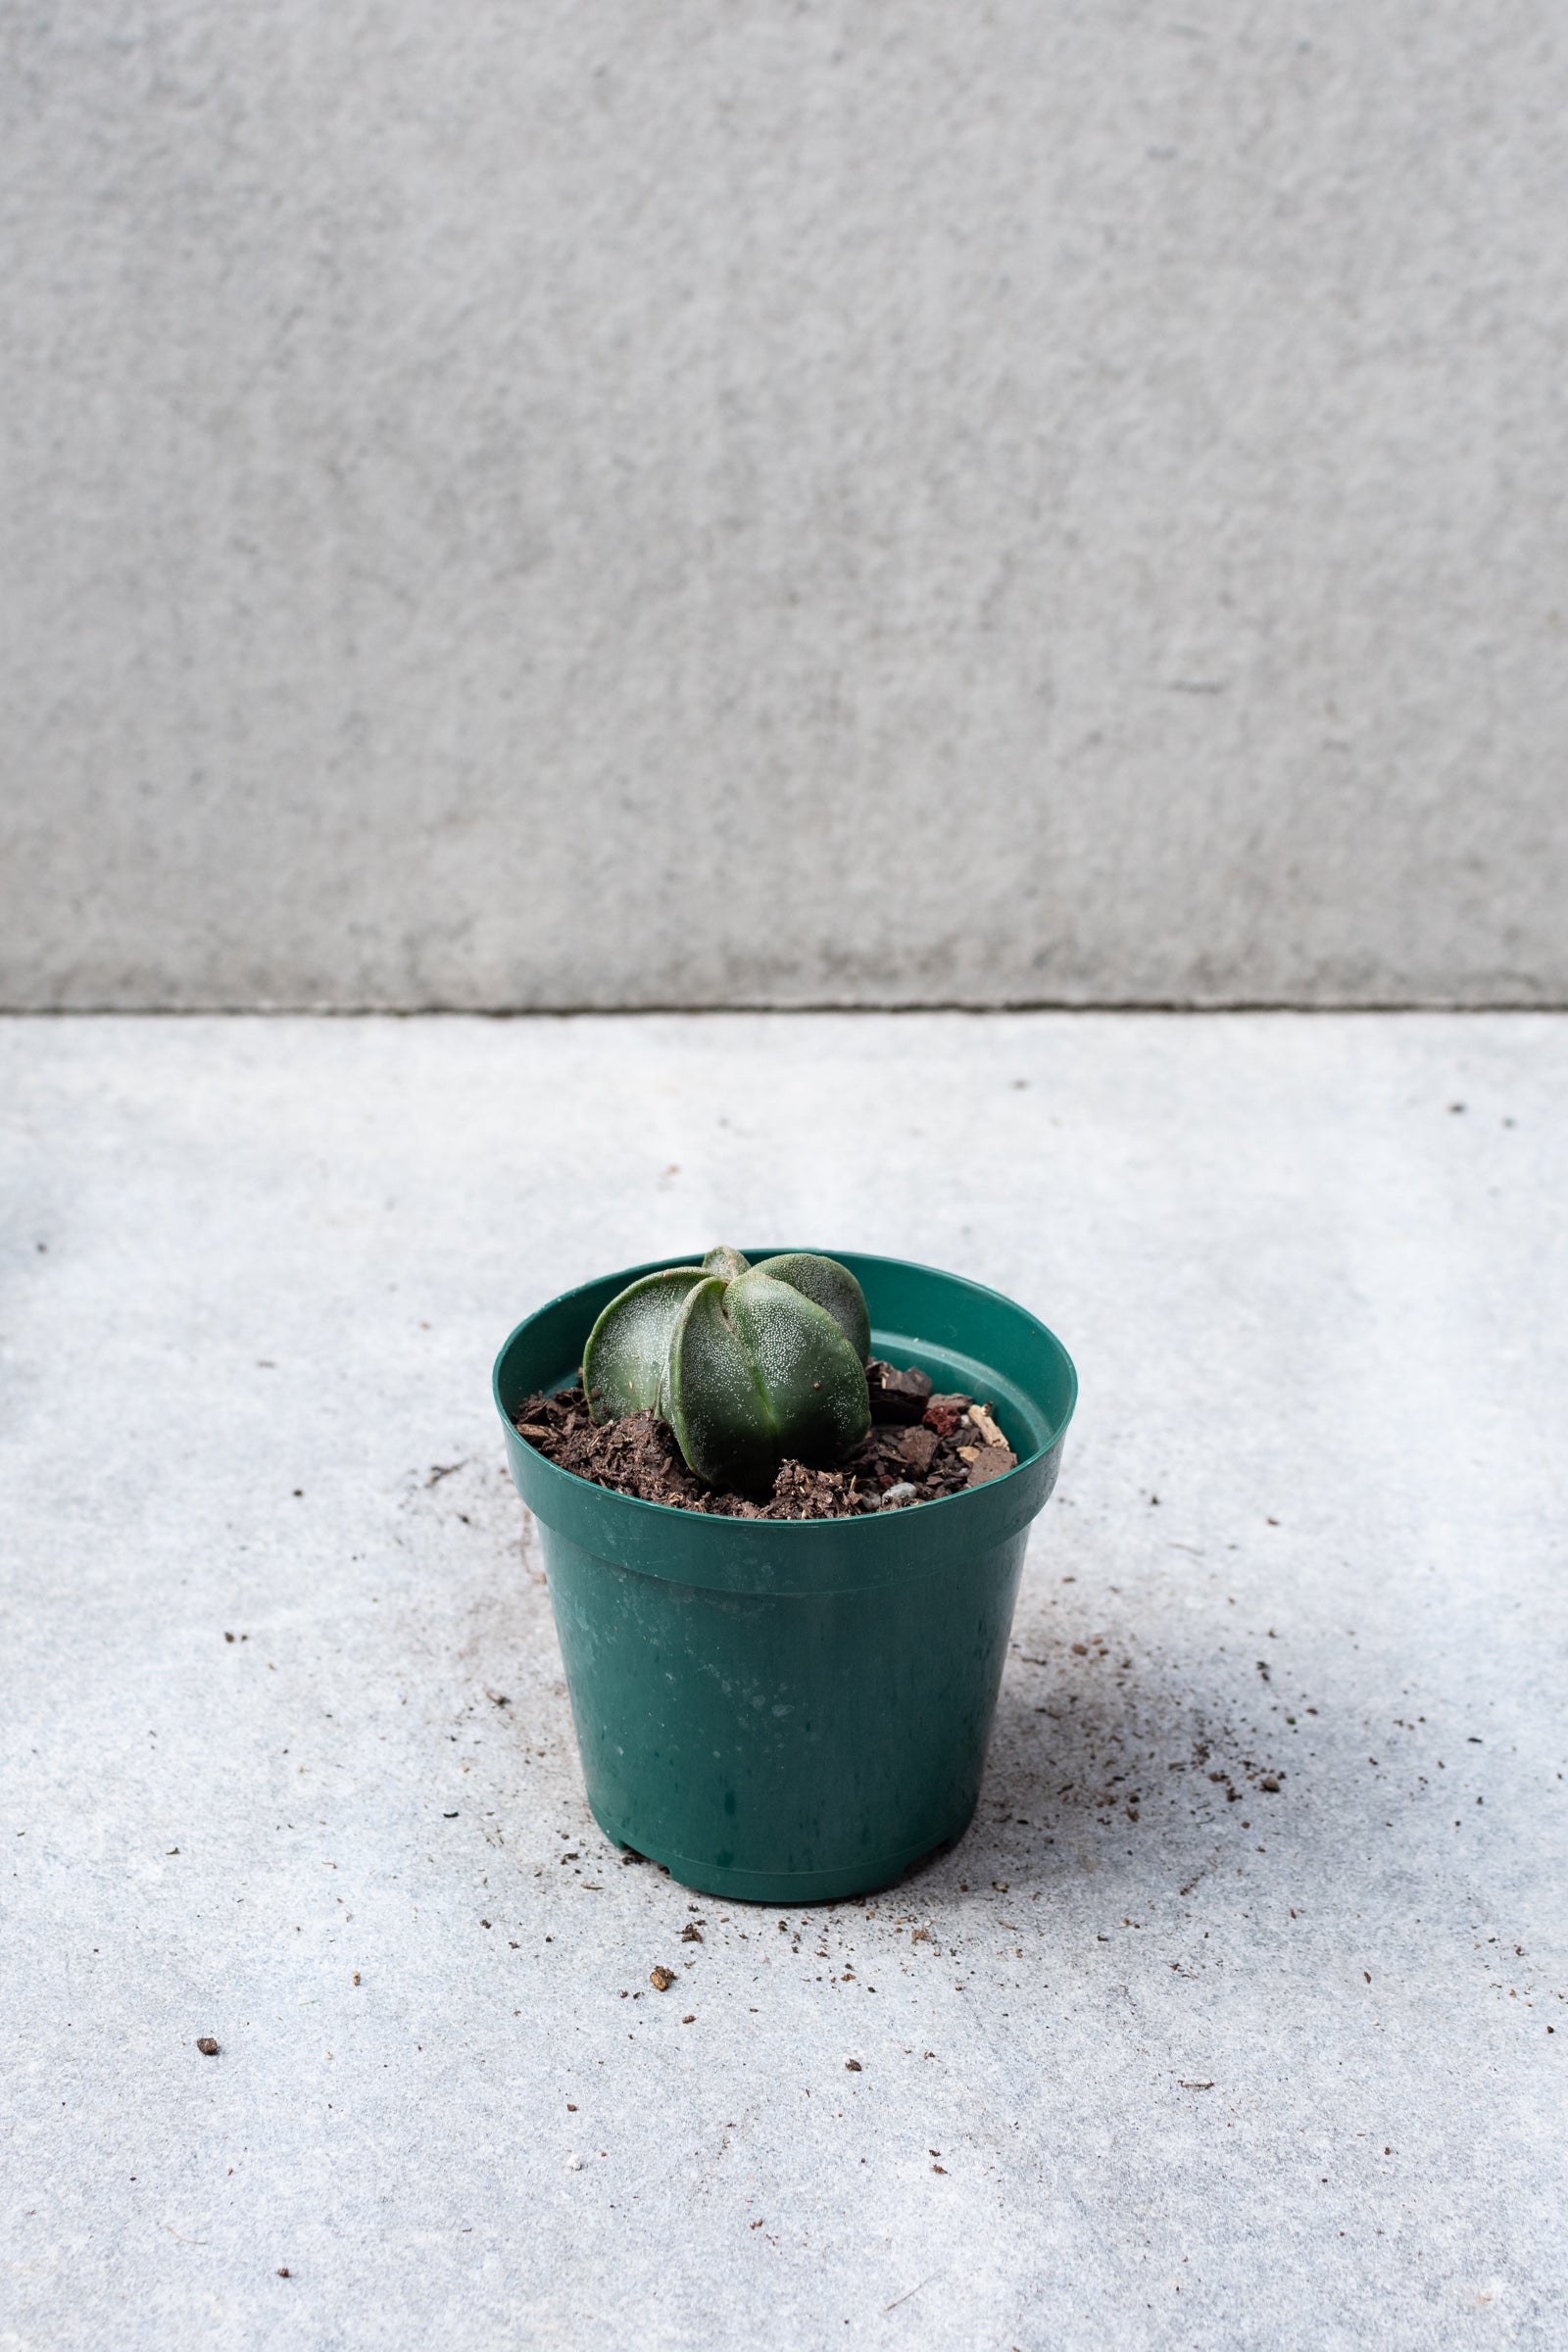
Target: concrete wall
<point>699,503</point>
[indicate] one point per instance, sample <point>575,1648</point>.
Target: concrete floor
<point>1164,2069</point>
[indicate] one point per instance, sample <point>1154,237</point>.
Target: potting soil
<point>922,1448</point>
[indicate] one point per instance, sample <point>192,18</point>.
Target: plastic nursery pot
<point>787,1712</point>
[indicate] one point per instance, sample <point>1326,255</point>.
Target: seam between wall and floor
<point>1174,1008</point>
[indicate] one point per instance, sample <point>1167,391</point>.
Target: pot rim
<point>799,1528</point>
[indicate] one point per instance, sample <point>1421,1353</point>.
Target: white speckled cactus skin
<point>751,1365</point>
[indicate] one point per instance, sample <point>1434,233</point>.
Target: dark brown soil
<point>920,1447</point>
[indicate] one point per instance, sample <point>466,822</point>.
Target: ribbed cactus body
<point>750,1365</point>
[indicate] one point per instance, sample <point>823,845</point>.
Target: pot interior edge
<point>965,1336</point>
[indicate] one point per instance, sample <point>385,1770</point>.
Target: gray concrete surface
<point>1282,2072</point>
<point>634,506</point>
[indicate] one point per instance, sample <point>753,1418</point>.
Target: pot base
<point>792,1888</point>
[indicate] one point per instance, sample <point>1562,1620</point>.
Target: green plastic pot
<point>788,1711</point>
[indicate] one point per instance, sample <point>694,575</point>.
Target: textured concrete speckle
<point>637,506</point>
<point>1161,2055</point>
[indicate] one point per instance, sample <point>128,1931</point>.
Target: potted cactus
<point>783,1687</point>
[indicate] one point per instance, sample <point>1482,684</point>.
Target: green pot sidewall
<point>786,1710</point>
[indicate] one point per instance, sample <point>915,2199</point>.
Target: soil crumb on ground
<point>921,1446</point>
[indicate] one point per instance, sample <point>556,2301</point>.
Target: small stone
<point>896,1395</point>
<point>853,2066</point>
<point>980,1419</point>
<point>944,1413</point>
<point>917,1447</point>
<point>992,1461</point>
<point>1271,1785</point>
<point>897,1495</point>
<point>661,1979</point>
<point>206,2046</point>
